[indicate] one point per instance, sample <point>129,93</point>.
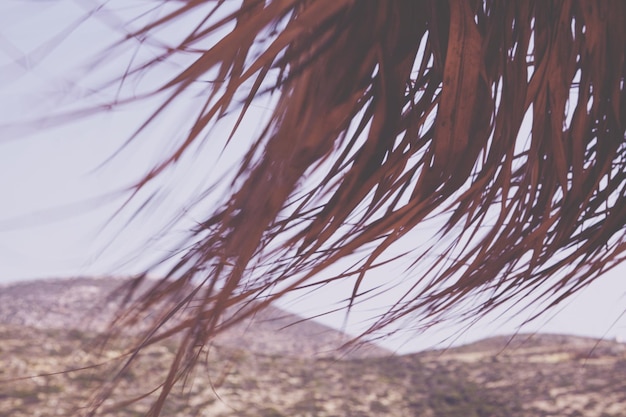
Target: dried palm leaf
<point>389,114</point>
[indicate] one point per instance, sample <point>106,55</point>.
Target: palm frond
<point>389,114</point>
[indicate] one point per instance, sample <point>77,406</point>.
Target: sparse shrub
<point>378,407</point>
<point>270,412</point>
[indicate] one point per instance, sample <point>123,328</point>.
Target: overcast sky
<point>57,196</point>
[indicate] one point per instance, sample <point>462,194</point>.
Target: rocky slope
<point>538,376</point>
<point>89,304</point>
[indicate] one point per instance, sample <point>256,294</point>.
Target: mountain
<point>526,375</point>
<point>89,304</point>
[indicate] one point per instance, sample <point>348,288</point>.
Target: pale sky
<point>55,203</point>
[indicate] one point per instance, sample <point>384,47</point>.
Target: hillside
<point>538,376</point>
<point>89,304</point>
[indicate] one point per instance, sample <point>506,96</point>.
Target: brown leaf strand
<point>390,114</point>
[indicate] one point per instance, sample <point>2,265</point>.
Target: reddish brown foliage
<point>398,111</point>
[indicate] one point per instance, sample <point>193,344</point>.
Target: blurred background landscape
<point>262,368</point>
